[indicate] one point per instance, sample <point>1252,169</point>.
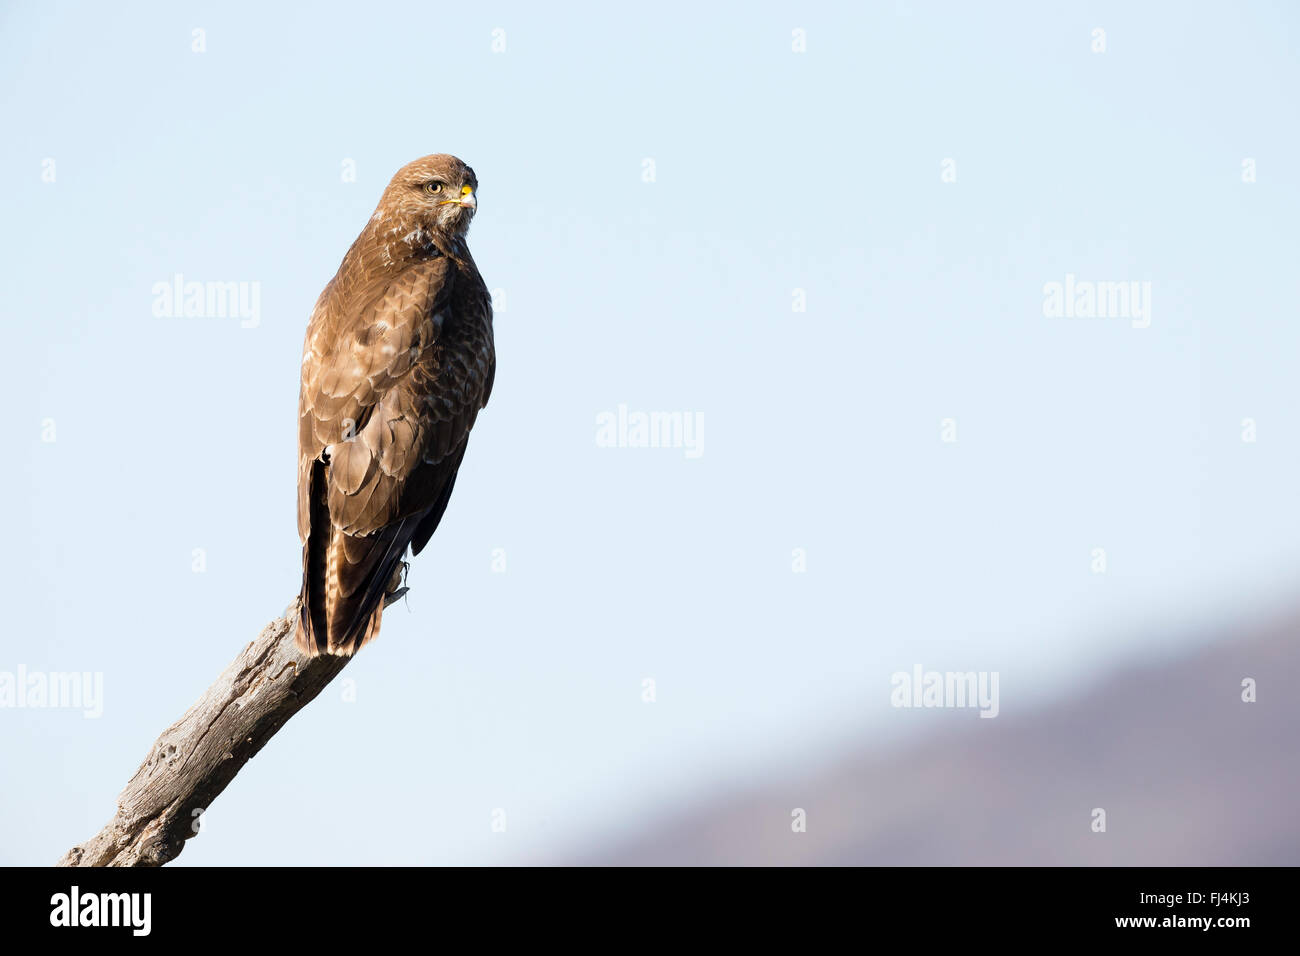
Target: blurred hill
<point>1187,773</point>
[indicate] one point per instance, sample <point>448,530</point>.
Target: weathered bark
<point>196,757</point>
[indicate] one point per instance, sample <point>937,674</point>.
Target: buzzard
<point>397,362</point>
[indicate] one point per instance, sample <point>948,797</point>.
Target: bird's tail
<point>342,617</point>
<point>345,581</point>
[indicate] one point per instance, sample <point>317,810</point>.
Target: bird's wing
<point>359,406</point>
<point>364,481</point>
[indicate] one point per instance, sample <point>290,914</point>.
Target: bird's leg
<point>396,584</point>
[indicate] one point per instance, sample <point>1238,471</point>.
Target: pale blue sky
<point>775,171</point>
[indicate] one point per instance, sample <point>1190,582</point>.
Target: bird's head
<point>437,195</point>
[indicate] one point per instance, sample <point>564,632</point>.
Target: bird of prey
<point>397,362</point>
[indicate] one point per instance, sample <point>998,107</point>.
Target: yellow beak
<point>466,199</point>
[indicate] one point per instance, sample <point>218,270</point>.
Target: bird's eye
<point>433,188</point>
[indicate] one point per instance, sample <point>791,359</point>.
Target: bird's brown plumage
<point>397,362</point>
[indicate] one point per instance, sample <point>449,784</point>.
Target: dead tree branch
<point>196,757</point>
